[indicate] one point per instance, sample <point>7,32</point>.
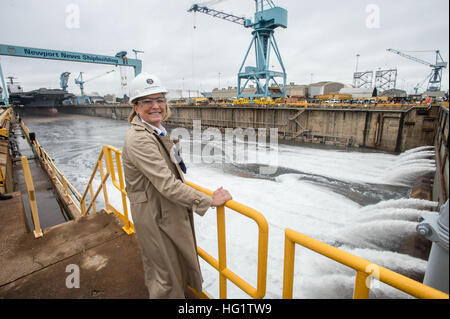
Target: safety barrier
<point>221,264</point>
<point>111,163</point>
<point>365,270</point>
<point>31,197</point>
<point>107,157</point>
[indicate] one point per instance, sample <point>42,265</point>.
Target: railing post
<point>222,250</point>
<point>105,193</point>
<point>65,187</point>
<point>288,274</point>
<point>83,207</point>
<point>54,178</point>
<point>92,196</point>
<point>361,290</point>
<point>31,197</point>
<point>128,228</point>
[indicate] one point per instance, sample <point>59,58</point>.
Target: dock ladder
<point>296,119</point>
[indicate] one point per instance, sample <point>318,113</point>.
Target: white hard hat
<point>145,84</point>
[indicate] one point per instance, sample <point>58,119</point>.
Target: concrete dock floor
<point>109,260</point>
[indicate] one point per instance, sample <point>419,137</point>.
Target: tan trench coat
<point>161,207</point>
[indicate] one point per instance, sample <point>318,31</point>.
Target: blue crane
<point>435,77</point>
<point>267,18</point>
<point>4,97</point>
<point>64,80</point>
<point>79,80</point>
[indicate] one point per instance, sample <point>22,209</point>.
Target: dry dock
<point>387,128</point>
<point>92,257</point>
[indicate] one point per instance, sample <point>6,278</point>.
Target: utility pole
<point>357,58</point>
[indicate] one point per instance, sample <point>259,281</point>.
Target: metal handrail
<point>220,265</point>
<point>106,156</point>
<point>224,272</point>
<point>31,197</point>
<point>365,270</point>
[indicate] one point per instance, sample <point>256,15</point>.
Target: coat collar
<point>166,141</point>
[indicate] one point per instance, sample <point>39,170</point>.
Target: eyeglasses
<point>149,101</point>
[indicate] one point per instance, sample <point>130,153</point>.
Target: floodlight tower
<point>267,18</point>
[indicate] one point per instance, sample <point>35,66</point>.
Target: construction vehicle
<point>264,100</point>
<point>267,18</point>
<point>201,101</point>
<point>241,100</point>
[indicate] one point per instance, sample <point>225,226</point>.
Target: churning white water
<point>353,199</point>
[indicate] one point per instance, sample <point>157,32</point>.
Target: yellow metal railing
<point>221,264</point>
<point>105,159</point>
<point>365,270</point>
<point>31,197</point>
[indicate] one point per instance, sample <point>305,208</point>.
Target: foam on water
<point>378,234</point>
<point>337,281</point>
<point>402,203</point>
<point>313,192</point>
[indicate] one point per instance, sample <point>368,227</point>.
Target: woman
<point>161,203</point>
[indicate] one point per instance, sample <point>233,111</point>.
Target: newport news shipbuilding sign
<point>26,52</point>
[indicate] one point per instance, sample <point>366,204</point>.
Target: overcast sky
<point>320,43</point>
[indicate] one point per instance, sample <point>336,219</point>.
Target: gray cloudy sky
<point>320,43</point>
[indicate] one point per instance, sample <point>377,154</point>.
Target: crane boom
<point>97,76</point>
<point>435,78</point>
<point>220,14</point>
<point>410,57</point>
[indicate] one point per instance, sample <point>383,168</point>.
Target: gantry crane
<point>267,18</point>
<point>435,77</point>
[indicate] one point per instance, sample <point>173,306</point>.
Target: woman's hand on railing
<point>220,196</point>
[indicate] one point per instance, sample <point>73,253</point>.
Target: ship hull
<point>44,100</point>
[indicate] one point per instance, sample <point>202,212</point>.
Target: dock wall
<point>387,129</point>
